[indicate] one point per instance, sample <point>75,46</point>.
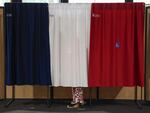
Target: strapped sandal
<point>73,105</point>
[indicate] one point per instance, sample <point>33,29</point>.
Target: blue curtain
<point>27,44</point>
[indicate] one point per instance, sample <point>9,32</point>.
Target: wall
<point>148,56</point>
<point>1,56</point>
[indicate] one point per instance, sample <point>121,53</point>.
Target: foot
<point>73,105</point>
<point>81,102</point>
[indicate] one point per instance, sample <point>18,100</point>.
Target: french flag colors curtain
<point>27,44</point>
<point>117,45</point>
<point>69,32</point>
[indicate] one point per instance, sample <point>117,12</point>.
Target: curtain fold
<point>27,44</point>
<point>117,45</point>
<point>69,32</point>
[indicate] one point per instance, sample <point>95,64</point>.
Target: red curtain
<point>117,45</point>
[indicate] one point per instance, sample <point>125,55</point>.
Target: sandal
<point>73,105</point>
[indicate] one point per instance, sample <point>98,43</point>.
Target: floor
<point>32,106</point>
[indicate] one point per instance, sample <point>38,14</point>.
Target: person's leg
<point>80,95</point>
<point>77,94</point>
<point>74,95</point>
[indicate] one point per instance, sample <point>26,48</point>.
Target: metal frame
<point>13,86</point>
<point>51,89</point>
<point>137,102</point>
<point>64,1</point>
<point>145,84</point>
<point>16,0</point>
<point>128,0</point>
<point>145,77</point>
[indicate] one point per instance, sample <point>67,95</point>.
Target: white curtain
<point>69,42</point>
